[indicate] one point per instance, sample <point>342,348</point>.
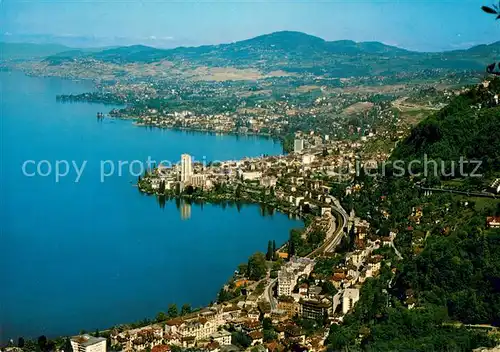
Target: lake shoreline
<point>86,219</point>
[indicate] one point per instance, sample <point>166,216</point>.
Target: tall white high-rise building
<point>186,167</point>
<point>298,145</point>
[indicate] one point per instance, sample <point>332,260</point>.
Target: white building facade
<point>87,343</point>
<point>298,145</point>
<point>349,299</point>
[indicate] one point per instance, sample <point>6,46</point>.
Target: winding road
<point>268,294</point>
<point>333,237</point>
<point>335,232</point>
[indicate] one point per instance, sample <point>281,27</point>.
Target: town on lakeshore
<point>288,297</point>
<point>400,245</point>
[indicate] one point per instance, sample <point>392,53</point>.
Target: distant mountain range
<point>91,41</point>
<point>287,50</point>
<point>274,46</point>
<point>27,51</point>
<point>15,51</point>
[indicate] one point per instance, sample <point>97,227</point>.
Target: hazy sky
<point>419,25</point>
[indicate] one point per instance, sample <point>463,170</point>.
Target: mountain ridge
<point>272,34</point>
<point>294,52</point>
<point>286,40</point>
<point>283,40</point>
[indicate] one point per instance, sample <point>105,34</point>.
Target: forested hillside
<point>450,272</point>
<point>469,127</point>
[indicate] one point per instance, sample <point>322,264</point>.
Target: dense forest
<point>468,127</point>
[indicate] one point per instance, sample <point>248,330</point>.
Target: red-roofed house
<point>161,348</point>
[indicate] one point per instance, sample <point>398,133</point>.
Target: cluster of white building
<point>309,302</point>
<point>182,174</point>
<point>291,272</point>
<point>184,332</point>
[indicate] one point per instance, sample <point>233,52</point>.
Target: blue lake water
<point>93,254</point>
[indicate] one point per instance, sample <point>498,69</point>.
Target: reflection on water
<point>185,211</point>
<point>184,206</point>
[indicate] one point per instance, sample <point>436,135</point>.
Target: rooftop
<point>221,333</point>
<point>352,293</point>
<point>87,340</point>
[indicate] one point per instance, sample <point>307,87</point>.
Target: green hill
<point>134,53</point>
<point>469,126</point>
<point>301,53</point>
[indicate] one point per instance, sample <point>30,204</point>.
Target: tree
<point>162,187</point>
<point>257,268</point>
<point>30,346</point>
<point>97,334</point>
<point>189,190</point>
<point>325,321</point>
<point>269,335</point>
<point>67,345</point>
<point>20,342</point>
<point>223,295</point>
<point>243,268</point>
<point>172,312</point>
<point>238,191</point>
<point>161,316</point>
<point>306,209</point>
<point>494,10</point>
<point>294,242</point>
<point>291,248</point>
<point>267,324</point>
<point>241,339</point>
<point>186,309</point>
<point>316,237</point>
<point>352,233</point>
<point>339,338</point>
<point>42,343</point>
<point>269,254</point>
<point>327,288</point>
